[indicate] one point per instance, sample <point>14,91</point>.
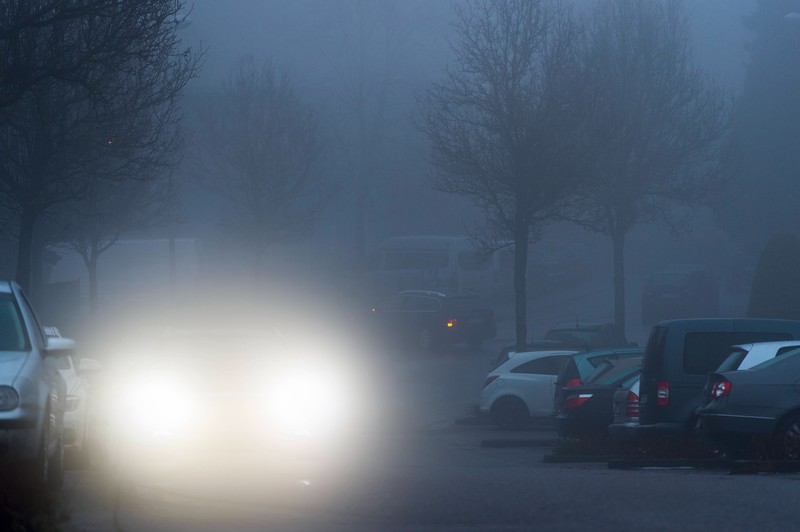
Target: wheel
<point>788,440</point>
<point>425,340</point>
<point>510,413</point>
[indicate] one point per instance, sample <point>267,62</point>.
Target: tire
<point>510,413</point>
<point>788,439</point>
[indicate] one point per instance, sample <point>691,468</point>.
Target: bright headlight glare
<point>306,403</point>
<point>9,399</point>
<point>159,407</point>
<point>72,403</point>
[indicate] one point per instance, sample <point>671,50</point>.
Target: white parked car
<point>522,388</point>
<point>77,414</point>
<point>745,356</point>
<point>32,394</point>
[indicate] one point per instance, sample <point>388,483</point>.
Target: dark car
<point>572,336</point>
<point>587,410</point>
<point>426,319</point>
<point>680,292</point>
<point>587,336</point>
<point>581,366</point>
<point>678,357</point>
<point>761,402</point>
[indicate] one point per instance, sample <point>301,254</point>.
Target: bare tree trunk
<point>24,245</point>
<point>520,281</point>
<point>36,291</point>
<point>618,241</point>
<point>91,268</point>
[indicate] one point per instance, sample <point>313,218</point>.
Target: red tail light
<point>452,322</point>
<point>490,379</point>
<point>574,401</point>
<point>662,393</point>
<point>632,405</point>
<point>574,382</point>
<point>721,389</point>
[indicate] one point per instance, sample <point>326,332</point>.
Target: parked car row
<point>535,383</point>
<point>689,373</point>
<point>732,382</point>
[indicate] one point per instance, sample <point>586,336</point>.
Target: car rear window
<point>703,352</point>
<point>778,359</point>
<point>550,365</point>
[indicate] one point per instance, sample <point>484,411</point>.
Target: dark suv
<point>679,355</point>
<point>426,318</point>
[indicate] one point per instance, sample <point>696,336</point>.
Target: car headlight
<point>9,399</point>
<point>72,403</point>
<point>158,407</point>
<point>308,403</point>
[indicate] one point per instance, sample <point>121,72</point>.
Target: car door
<point>536,382</point>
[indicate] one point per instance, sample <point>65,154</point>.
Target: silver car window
<point>12,331</point>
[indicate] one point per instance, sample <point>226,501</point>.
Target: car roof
<point>525,356</point>
<point>437,293</point>
<point>581,325</point>
<point>766,345</point>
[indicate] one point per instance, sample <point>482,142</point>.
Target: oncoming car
<point>32,395</point>
<point>426,319</point>
<point>193,393</point>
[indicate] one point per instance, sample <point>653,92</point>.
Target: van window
<point>703,352</point>
<point>415,260</point>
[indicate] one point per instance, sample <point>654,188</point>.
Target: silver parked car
<point>32,394</point>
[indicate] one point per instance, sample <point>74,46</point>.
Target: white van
<point>428,263</point>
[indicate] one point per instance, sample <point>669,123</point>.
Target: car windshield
<point>615,369</point>
<point>12,330</point>
<point>733,361</point>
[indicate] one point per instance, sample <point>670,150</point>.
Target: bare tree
<point>61,133</point>
<point>260,149</point>
<point>657,123</point>
<point>504,127</point>
<point>65,40</point>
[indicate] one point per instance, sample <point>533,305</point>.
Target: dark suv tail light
<point>490,379</point>
<point>721,389</point>
<point>662,393</point>
<point>632,405</point>
<point>574,382</point>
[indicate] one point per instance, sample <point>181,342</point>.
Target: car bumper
<point>19,439</point>
<point>726,428</point>
<point>623,432</point>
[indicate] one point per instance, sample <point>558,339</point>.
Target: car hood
<point>11,363</point>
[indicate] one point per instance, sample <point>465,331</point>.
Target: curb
<point>752,467</point>
<point>577,458</point>
<point>695,463</point>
